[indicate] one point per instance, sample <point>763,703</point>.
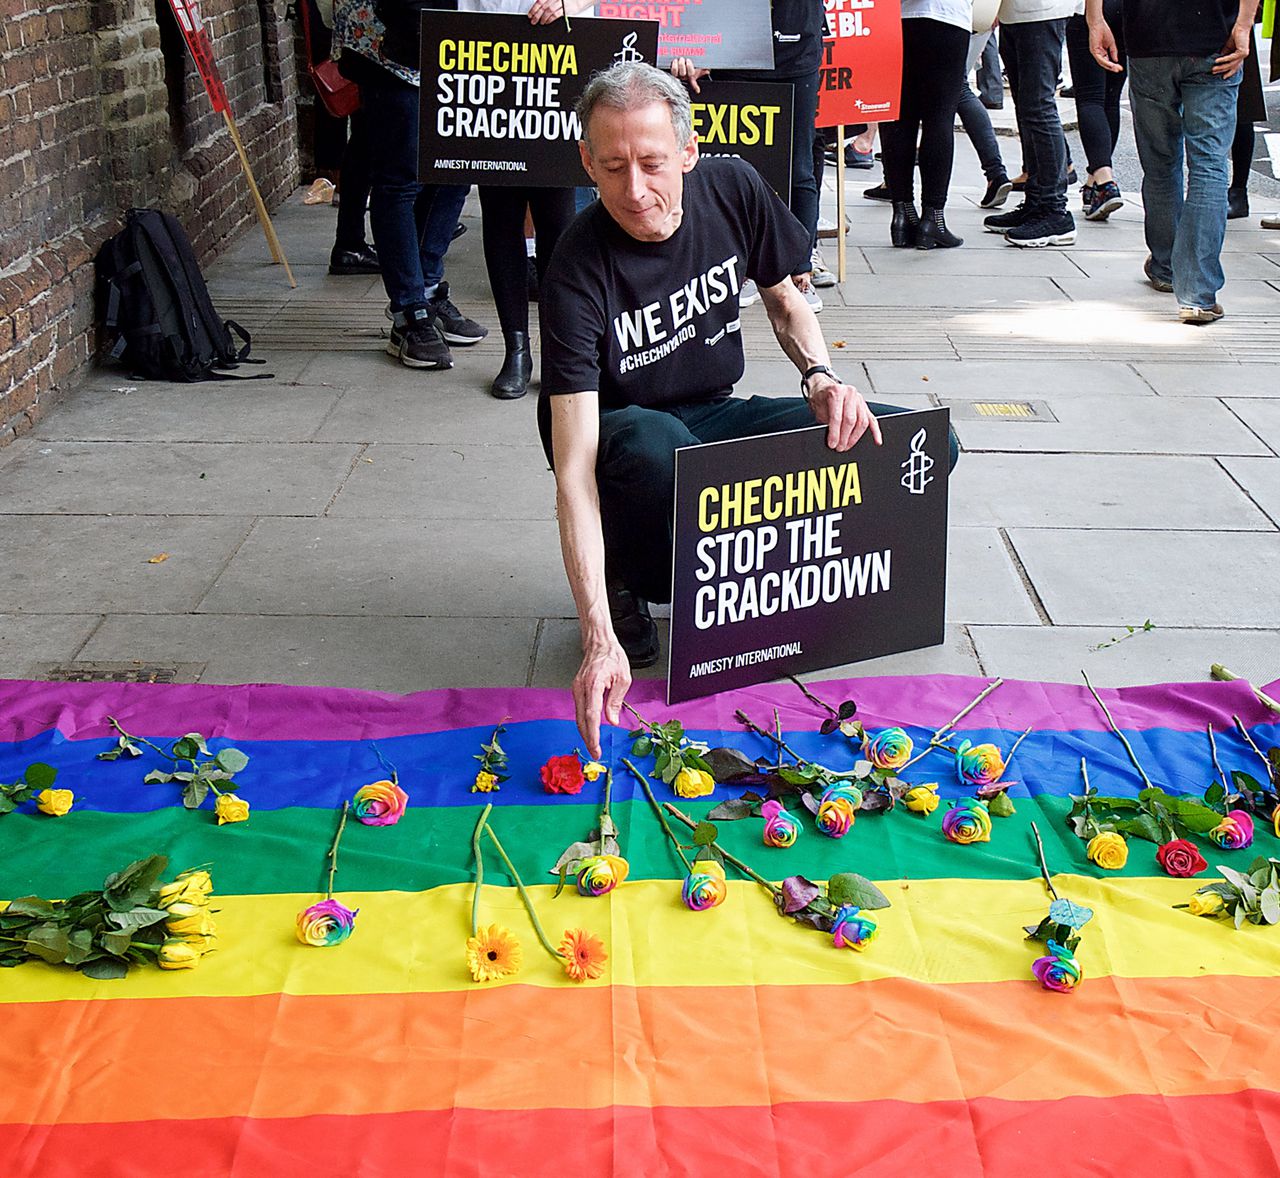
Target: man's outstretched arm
<point>840,407</point>
<point>603,678</point>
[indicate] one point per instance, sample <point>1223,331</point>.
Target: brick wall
<point>101,109</point>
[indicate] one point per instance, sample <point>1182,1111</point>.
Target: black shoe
<point>363,260</point>
<point>992,105</point>
<point>635,629</point>
<point>454,325</point>
<point>513,381</point>
<point>1102,201</point>
<point>419,343</point>
<point>1018,185</point>
<point>997,193</point>
<point>933,234</point>
<point>1003,222</point>
<point>458,230</point>
<point>878,192</point>
<point>1237,203</point>
<point>1044,228</point>
<point>1067,92</point>
<point>905,226</point>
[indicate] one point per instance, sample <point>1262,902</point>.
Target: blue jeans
<point>412,223</point>
<point>1181,108</point>
<point>1032,54</point>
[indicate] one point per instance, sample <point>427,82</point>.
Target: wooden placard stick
<point>268,229</point>
<point>840,247</point>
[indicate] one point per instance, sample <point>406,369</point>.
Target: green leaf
<point>40,776</point>
<point>117,941</point>
<point>642,747</point>
<point>1270,907</point>
<point>231,760</point>
<point>1246,783</point>
<point>49,943</point>
<point>848,887</point>
<point>731,810</point>
<point>1214,794</point>
<point>80,945</point>
<point>156,777</point>
<point>724,764</point>
<point>133,886</point>
<point>194,793</point>
<point>573,855</point>
<point>31,906</point>
<point>188,747</point>
<point>661,761</point>
<point>704,834</point>
<point>7,804</point>
<point>1001,805</point>
<point>136,918</point>
<point>1194,815</point>
<point>105,969</point>
<point>1143,827</point>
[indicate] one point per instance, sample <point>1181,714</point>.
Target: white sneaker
<point>811,296</point>
<point>819,274</point>
<point>1271,221</point>
<point>749,293</point>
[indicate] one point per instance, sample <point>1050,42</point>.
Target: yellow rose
<point>592,769</point>
<point>200,924</point>
<point>1205,904</point>
<point>485,783</point>
<point>54,801</point>
<point>1275,821</point>
<point>181,909</point>
<point>1108,850</point>
<point>176,954</point>
<point>693,783</point>
<point>202,943</point>
<point>923,799</point>
<point>191,887</point>
<point>230,808</point>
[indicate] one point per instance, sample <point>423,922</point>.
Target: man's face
<point>639,168</point>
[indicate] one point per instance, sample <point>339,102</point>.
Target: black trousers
<point>504,251</point>
<point>1097,90</point>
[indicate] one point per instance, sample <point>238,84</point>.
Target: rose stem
<point>141,740</point>
<point>333,850</point>
<point>1128,748</point>
<point>524,895</point>
<point>604,812</point>
<point>1213,752</point>
<point>390,768</point>
<point>1240,728</point>
<point>643,722</point>
<point>1015,745</point>
<point>475,850</point>
<point>738,863</point>
<point>743,718</point>
<point>1044,868</point>
<point>1218,671</point>
<point>936,739</point>
<point>657,810</point>
<point>813,698</point>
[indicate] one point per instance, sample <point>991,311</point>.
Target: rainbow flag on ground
<point>723,1042</point>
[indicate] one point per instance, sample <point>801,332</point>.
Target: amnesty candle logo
<point>917,467</point>
<point>628,52</point>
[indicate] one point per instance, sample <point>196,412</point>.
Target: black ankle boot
<point>933,233</point>
<point>513,381</point>
<point>905,224</point>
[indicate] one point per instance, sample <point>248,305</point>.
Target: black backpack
<point>158,307</point>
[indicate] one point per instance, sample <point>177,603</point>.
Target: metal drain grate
<point>119,672</point>
<point>999,410</point>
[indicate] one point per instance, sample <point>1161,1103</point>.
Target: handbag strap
<point>303,5</point>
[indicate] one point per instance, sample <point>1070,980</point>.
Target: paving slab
<point>402,568</point>
<point>1102,491</point>
<point>1239,295</point>
<point>315,283</point>
<point>1263,417</point>
<point>160,412</point>
<point>283,365</point>
<point>374,654</point>
<point>559,653</point>
<point>28,639</point>
<point>983,585</point>
<point>920,290</point>
<point>81,564</point>
<point>1260,477</point>
<point>1127,264</point>
<point>1093,578</point>
<point>1003,380</point>
<point>950,263</point>
<point>954,656</point>
<point>1057,654</point>
<point>1221,379</point>
<point>449,482</point>
<point>172,478</point>
<point>1119,425</point>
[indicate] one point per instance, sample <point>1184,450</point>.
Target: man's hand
<point>1102,44</point>
<point>842,409</point>
<point>1231,60</point>
<point>600,686</point>
<point>690,74</point>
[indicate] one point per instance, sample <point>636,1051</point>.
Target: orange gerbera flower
<point>493,953</point>
<point>583,954</point>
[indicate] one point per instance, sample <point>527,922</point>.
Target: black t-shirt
<point>798,29</point>
<point>1177,28</point>
<point>657,323</point>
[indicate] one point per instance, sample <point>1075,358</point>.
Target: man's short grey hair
<point>633,85</point>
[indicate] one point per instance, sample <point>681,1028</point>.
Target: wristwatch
<point>808,372</point>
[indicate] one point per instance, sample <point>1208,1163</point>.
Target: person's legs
<point>356,181</point>
<point>1156,101</point>
<point>944,47</point>
<point>1242,145</point>
<point>1038,51</point>
<point>990,83</point>
<point>502,222</point>
<point>436,213</point>
<point>1090,82</point>
<point>804,183</point>
<point>973,114</point>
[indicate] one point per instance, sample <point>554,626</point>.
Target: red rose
<point>1181,859</point>
<point>562,775</point>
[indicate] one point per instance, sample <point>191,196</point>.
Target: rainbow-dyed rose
<point>967,822</point>
<point>1234,832</point>
<point>889,749</point>
<point>979,764</point>
<point>837,809</point>
<point>851,931</point>
<point>380,804</point>
<point>780,828</point>
<point>923,799</point>
<point>326,923</point>
<point>705,886</point>
<point>600,874</point>
<point>1058,971</point>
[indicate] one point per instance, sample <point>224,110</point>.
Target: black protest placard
<point>713,34</point>
<point>749,120</point>
<point>790,557</point>
<point>498,94</point>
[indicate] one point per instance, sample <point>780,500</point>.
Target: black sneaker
<point>1103,200</point>
<point>636,631</point>
<point>997,193</point>
<point>878,192</point>
<point>362,260</point>
<point>419,344</point>
<point>454,325</point>
<point>1003,222</point>
<point>1045,228</point>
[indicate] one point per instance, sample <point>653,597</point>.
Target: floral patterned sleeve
<point>356,27</point>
